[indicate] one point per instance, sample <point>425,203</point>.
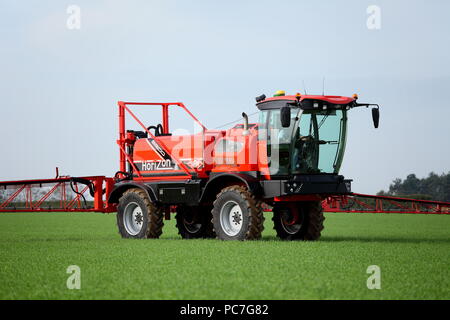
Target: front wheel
<point>303,221</point>
<point>137,216</point>
<point>237,215</point>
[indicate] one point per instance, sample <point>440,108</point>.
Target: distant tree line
<point>434,187</point>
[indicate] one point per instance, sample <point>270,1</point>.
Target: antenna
<point>304,87</point>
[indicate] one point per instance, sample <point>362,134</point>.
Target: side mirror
<point>375,117</point>
<point>285,117</point>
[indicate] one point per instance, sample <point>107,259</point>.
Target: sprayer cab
<point>306,134</point>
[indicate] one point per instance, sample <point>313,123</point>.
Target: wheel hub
<point>138,218</point>
<point>133,218</point>
<point>290,222</point>
<point>231,218</point>
<point>237,218</point>
<point>192,226</point>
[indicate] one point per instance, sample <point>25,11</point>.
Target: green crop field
<point>412,251</point>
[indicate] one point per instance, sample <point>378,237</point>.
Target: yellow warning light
<point>279,93</point>
<point>355,96</point>
<point>298,95</point>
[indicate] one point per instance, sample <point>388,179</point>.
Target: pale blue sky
<point>59,87</point>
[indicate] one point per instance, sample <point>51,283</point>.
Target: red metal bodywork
<point>193,155</point>
<point>143,150</point>
<point>330,99</point>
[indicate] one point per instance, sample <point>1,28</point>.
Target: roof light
<point>260,98</point>
<point>279,93</point>
<point>355,96</point>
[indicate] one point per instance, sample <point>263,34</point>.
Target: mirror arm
<point>375,111</point>
<point>365,105</point>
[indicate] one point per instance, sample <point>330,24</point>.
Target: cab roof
<point>306,101</point>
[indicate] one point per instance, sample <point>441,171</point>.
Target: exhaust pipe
<point>245,132</point>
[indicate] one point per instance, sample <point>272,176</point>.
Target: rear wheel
<point>302,222</point>
<point>194,222</point>
<point>237,215</point>
<point>137,216</point>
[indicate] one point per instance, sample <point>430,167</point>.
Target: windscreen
<point>313,144</point>
<point>318,141</point>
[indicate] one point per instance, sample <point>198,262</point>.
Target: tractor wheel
<point>305,223</point>
<point>194,222</point>
<point>237,215</point>
<point>137,217</point>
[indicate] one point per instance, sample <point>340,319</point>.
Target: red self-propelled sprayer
<point>220,182</point>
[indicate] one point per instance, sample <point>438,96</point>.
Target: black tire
<point>248,215</point>
<point>148,216</point>
<point>308,224</point>
<point>195,222</point>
